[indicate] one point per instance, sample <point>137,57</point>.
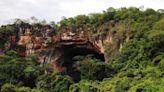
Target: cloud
<point>53,10</point>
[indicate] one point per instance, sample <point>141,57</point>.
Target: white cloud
<point>55,9</point>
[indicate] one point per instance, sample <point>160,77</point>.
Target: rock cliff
<point>57,47</point>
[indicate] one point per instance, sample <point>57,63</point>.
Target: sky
<point>54,10</point>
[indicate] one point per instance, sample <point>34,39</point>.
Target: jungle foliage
<point>136,57</point>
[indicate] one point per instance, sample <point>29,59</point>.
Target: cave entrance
<point>71,51</point>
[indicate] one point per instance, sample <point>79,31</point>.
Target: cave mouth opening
<point>69,52</point>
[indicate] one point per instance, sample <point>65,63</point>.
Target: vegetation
<point>135,56</point>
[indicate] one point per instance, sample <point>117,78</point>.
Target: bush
<point>55,82</point>
<point>8,88</point>
<point>23,89</point>
<point>93,69</point>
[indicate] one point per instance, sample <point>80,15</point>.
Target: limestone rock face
<point>57,49</point>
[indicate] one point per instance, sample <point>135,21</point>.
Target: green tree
<point>93,69</point>
<point>16,70</point>
<point>55,82</point>
<point>8,88</point>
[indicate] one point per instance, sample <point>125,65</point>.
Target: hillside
<point>119,50</point>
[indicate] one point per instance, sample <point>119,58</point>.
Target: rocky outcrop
<point>57,49</point>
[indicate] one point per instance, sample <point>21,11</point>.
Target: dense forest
<point>134,59</point>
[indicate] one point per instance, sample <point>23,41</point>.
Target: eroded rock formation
<point>57,49</point>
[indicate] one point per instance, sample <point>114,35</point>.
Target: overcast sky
<point>53,10</point>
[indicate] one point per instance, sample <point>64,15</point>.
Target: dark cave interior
<point>70,51</point>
